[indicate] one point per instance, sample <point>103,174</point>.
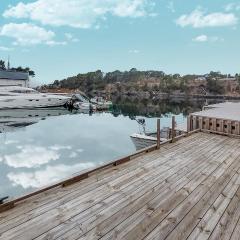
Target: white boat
<point>14,97</point>
<point>101,103</point>
<point>144,139</point>
<point>81,102</point>
<point>85,106</point>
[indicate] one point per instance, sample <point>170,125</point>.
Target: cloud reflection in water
<point>45,176</point>
<point>59,147</point>
<point>31,157</point>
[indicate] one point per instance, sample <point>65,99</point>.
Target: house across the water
<point>14,78</point>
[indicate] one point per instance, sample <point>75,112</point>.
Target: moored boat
<point>146,139</point>
<point>84,106</point>
<point>143,140</point>
<point>101,103</point>
<point>15,97</point>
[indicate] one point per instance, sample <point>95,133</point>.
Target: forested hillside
<point>146,82</point>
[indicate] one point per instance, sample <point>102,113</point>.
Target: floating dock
<point>223,118</point>
<point>188,189</point>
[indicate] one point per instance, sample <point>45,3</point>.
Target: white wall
<point>7,82</point>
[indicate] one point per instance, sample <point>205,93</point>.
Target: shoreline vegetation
<point>6,67</point>
<point>156,85</point>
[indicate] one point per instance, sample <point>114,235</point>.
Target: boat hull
<point>31,103</point>
<point>84,106</point>
<point>140,141</point>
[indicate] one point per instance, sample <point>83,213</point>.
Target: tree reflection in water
<point>150,108</point>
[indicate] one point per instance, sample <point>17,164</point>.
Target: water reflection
<point>30,156</point>
<point>133,107</point>
<point>13,120</point>
<point>48,174</point>
<point>38,147</point>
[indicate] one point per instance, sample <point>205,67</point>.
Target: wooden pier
<point>223,118</point>
<point>187,189</point>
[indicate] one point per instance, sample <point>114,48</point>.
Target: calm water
<point>38,147</point>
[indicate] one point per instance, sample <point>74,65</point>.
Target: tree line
<point>17,69</point>
<point>142,81</point>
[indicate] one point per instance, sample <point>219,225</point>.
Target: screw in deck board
<point>158,134</point>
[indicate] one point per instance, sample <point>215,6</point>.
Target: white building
<point>13,78</point>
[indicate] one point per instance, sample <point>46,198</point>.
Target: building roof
<point>13,75</point>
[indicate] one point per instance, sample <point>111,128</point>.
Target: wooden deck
<point>223,118</point>
<point>189,189</point>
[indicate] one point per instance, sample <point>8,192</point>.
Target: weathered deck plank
<point>95,181</point>
<point>72,210</point>
<point>162,165</point>
<point>162,194</point>
<point>113,209</point>
<point>228,221</point>
<point>187,189</point>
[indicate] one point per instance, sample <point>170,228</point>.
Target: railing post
<point>158,134</point>
<point>200,123</point>
<point>188,124</point>
<point>173,129</point>
<point>194,123</point>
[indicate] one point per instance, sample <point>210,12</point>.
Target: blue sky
<point>59,38</point>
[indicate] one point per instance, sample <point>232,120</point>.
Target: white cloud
<point>199,19</point>
<point>134,51</point>
<point>2,48</point>
<point>71,38</point>
<point>31,157</point>
<point>216,39</point>
<point>171,7</point>
<point>46,176</point>
<point>10,142</point>
<point>201,38</point>
<point>232,7</point>
<point>25,50</point>
<point>73,155</point>
<point>60,147</point>
<point>26,34</point>
<point>205,38</point>
<point>56,43</point>
<point>78,13</point>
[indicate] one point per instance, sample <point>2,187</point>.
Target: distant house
<point>14,78</point>
<point>200,78</point>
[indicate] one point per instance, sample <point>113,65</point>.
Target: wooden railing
<point>214,125</point>
<point>80,176</point>
<point>85,174</point>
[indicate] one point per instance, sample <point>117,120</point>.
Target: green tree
<point>214,86</point>
<point>26,70</point>
<point>2,65</point>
